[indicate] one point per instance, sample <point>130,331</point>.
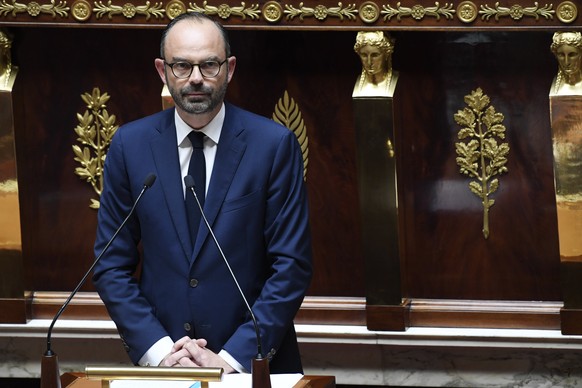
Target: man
<point>185,309</point>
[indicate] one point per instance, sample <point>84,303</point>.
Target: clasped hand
<point>189,352</point>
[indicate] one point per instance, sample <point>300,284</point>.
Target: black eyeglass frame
<point>192,65</point>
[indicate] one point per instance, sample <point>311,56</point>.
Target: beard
<point>214,98</point>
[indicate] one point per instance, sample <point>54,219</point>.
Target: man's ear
<point>161,68</point>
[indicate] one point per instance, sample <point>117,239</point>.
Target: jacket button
<point>193,283</point>
<point>187,327</point>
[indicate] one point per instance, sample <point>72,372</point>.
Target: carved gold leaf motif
<point>95,131</point>
<point>417,11</point>
<point>516,12</point>
<point>287,113</point>
<point>321,12</point>
<point>34,9</point>
<point>224,11</point>
<point>129,10</point>
<point>480,156</point>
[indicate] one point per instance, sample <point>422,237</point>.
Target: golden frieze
<point>224,11</point>
<point>81,10</point>
<point>287,113</point>
<point>516,12</point>
<point>321,12</point>
<point>129,10</point>
<point>34,9</point>
<point>175,8</point>
<point>417,11</point>
<point>95,130</point>
<point>480,156</point>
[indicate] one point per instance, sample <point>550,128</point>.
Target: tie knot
<point>196,138</point>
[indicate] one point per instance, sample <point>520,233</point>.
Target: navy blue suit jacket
<point>256,204</point>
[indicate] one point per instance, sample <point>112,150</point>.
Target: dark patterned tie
<point>197,170</point>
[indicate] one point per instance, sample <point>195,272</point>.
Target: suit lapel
<point>228,156</point>
<point>165,150</point>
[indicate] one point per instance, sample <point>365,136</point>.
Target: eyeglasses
<point>208,69</point>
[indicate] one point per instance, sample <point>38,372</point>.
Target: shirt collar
<point>212,129</point>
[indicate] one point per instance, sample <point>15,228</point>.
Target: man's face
<point>569,59</point>
<point>196,42</point>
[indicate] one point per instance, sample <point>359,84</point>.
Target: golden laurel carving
<point>467,11</point>
<point>95,131</point>
<point>369,12</point>
<point>321,12</point>
<point>567,12</point>
<point>287,113</point>
<point>175,8</point>
<point>81,10</point>
<point>517,12</point>
<point>481,157</point>
<point>418,12</point>
<point>272,11</point>
<point>224,11</point>
<point>129,10</point>
<point>34,9</point>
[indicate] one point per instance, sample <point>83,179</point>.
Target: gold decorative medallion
<point>81,10</point>
<point>95,131</point>
<point>369,12</point>
<point>567,12</point>
<point>481,157</point>
<point>175,8</point>
<point>272,11</point>
<point>467,11</point>
<point>287,113</point>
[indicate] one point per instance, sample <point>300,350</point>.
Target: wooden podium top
<point>78,380</point>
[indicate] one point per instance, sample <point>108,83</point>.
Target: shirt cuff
<point>154,355</point>
<point>232,362</point>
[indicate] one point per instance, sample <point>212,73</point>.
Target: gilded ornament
<point>224,11</point>
<point>128,10</point>
<point>567,12</point>
<point>81,10</point>
<point>272,11</point>
<point>517,12</point>
<point>321,12</point>
<point>417,11</point>
<point>481,157</point>
<point>287,113</point>
<point>369,12</point>
<point>34,9</point>
<point>467,11</point>
<point>95,131</point>
<point>175,8</point>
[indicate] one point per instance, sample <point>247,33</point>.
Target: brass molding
<point>287,113</point>
<point>567,12</point>
<point>417,11</point>
<point>467,11</point>
<point>224,11</point>
<point>321,12</point>
<point>128,10</point>
<point>516,12</point>
<point>481,157</point>
<point>95,131</point>
<point>34,9</point>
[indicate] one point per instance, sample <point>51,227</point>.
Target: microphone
<point>49,372</point>
<point>260,365</point>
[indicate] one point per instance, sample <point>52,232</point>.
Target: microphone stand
<point>260,365</point>
<point>49,367</point>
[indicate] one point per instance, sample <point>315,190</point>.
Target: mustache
<point>196,88</point>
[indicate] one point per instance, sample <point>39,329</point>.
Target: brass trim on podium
<point>108,373</point>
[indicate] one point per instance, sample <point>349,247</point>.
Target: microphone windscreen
<point>189,181</point>
<point>149,181</point>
